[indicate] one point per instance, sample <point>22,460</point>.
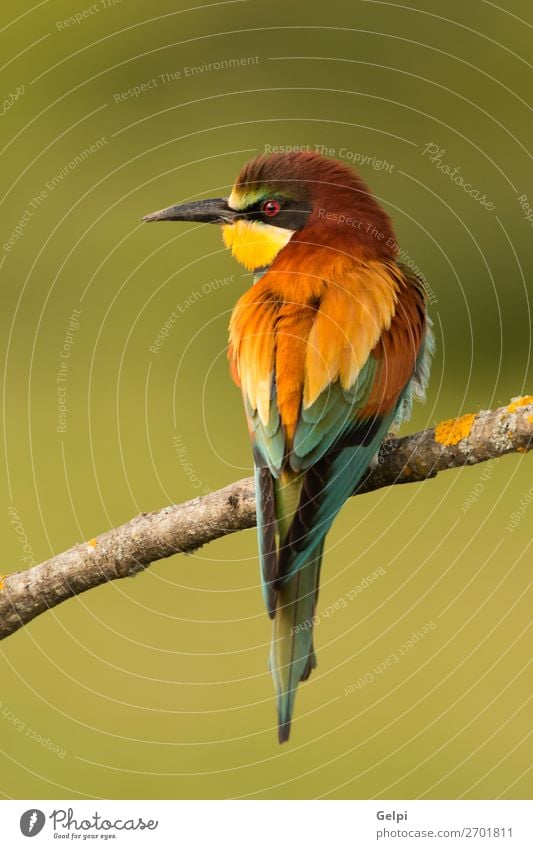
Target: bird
<point>330,345</point>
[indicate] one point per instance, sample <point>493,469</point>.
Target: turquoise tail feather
<point>292,655</point>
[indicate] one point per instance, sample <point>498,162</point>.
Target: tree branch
<point>124,551</point>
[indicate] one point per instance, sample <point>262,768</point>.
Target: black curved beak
<point>213,211</point>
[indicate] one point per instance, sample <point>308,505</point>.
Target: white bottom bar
<point>269,824</point>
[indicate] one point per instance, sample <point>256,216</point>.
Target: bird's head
<point>296,196</point>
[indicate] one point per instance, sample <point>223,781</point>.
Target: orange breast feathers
<point>305,331</point>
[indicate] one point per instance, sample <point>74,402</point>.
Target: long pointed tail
<point>292,656</point>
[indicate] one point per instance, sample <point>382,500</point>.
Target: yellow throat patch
<point>254,244</point>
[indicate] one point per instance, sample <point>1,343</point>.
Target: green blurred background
<point>157,687</point>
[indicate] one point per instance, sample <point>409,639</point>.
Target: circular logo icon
<point>32,822</point>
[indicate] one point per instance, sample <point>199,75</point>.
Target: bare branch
<point>129,549</point>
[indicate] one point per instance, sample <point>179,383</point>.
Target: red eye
<point>270,208</point>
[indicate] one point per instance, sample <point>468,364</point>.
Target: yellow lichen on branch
<point>524,401</point>
<point>452,431</point>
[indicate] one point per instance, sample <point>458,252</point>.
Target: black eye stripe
<point>292,214</point>
<point>256,207</point>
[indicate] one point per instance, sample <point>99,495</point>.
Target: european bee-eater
<point>328,346</point>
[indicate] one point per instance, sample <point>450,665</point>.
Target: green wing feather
<point>299,494</point>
